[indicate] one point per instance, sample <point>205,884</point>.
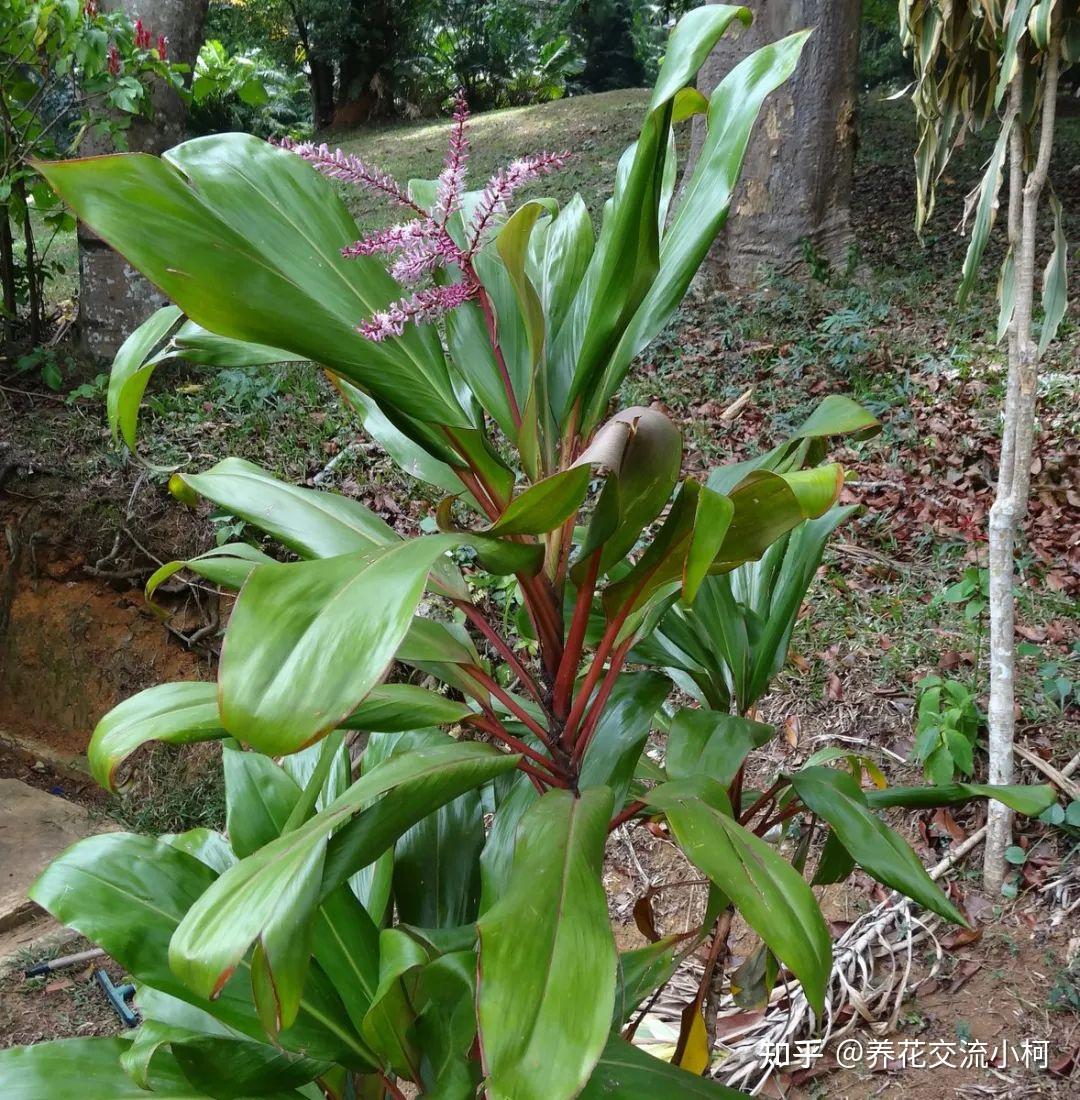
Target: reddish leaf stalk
<point>491,725</point>
<point>625,815</point>
<point>767,797</point>
<point>581,700</point>
<point>772,822</point>
<point>510,703</point>
<point>596,709</point>
<point>391,1088</point>
<point>476,617</point>
<point>492,323</point>
<point>571,658</point>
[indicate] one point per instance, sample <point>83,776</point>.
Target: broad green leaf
<point>130,372</point>
<point>835,864</point>
<point>838,415</point>
<point>641,972</point>
<point>229,1067</point>
<point>129,893</point>
<point>836,798</point>
<point>345,943</point>
<point>206,845</point>
<point>229,566</point>
<point>273,894</point>
<point>626,1073</point>
<point>314,523</point>
<point>706,196</point>
<point>89,1069</point>
<point>512,245</point>
<point>711,743</point>
<point>770,895</point>
<point>177,714</point>
<point>390,1018</point>
<point>444,997</point>
<point>711,524</point>
<point>390,708</point>
<point>307,641</point>
<point>497,859</point>
<point>545,942</point>
<point>627,260</point>
<point>1027,800</point>
<point>136,361</point>
<point>409,455</point>
<point>247,241</point>
<point>1055,287</point>
<point>620,735</point>
<point>545,505</point>
<point>259,797</point>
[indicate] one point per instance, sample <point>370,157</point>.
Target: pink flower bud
<point>142,36</point>
<point>113,63</point>
<point>91,9</point>
<point>163,47</point>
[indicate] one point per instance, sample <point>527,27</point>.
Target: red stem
<point>625,814</point>
<point>391,1088</point>
<point>568,665</point>
<point>596,708</point>
<point>770,823</point>
<point>494,728</point>
<point>768,796</point>
<point>492,324</point>
<point>581,700</point>
<point>476,617</point>
<point>510,703</point>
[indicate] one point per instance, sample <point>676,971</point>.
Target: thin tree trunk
<point>7,273</point>
<point>30,263</point>
<point>1014,477</point>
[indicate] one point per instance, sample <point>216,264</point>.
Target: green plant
<point>246,92</point>
<point>948,722</point>
<point>972,590</point>
<point>357,926</point>
<point>66,69</point>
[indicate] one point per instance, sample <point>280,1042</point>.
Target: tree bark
<point>1014,476</point>
<point>114,299</point>
<point>794,192</point>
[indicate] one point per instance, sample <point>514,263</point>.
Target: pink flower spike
<point>451,182</point>
<point>142,36</point>
<point>387,241</point>
<point>502,186</point>
<point>423,307</point>
<point>338,165</point>
<point>163,47</point>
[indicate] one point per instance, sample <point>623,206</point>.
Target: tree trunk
<point>794,193</point>
<point>114,299</point>
<point>1011,499</point>
<point>321,82</point>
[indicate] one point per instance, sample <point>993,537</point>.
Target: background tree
<point>67,72</point>
<point>976,65</point>
<point>795,190</point>
<point>113,297</point>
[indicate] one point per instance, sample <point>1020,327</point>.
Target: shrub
<point>357,928</point>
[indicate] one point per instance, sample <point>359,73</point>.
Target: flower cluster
<point>142,36</point>
<point>163,47</point>
<point>426,243</point>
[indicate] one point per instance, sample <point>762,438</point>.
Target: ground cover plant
<point>355,931</point>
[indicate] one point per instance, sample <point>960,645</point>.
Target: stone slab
<point>35,827</point>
